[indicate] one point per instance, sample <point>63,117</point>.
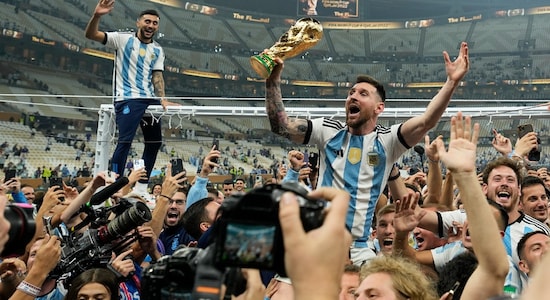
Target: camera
<point>248,233</point>
<point>93,248</point>
<point>22,227</point>
<point>172,277</point>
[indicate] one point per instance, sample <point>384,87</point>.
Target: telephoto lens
<point>22,227</point>
<point>128,220</point>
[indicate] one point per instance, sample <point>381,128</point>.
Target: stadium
<point>56,85</point>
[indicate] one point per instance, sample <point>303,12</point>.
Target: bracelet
<point>433,161</point>
<point>392,178</point>
<point>29,289</point>
<point>165,197</point>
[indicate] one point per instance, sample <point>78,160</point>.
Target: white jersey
<point>444,254</point>
<point>359,164</point>
<point>514,232</point>
<point>134,65</point>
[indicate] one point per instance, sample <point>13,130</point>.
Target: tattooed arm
<point>293,129</point>
<point>158,83</point>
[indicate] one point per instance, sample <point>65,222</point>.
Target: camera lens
<point>21,230</point>
<point>128,220</point>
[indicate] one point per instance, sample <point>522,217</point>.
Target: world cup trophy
<point>304,34</point>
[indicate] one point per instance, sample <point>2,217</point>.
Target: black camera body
<point>248,232</point>
<point>172,277</point>
<point>93,248</point>
<point>247,235</point>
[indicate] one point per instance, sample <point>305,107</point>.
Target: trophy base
<point>262,64</point>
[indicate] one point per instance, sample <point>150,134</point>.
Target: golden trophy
<point>304,34</point>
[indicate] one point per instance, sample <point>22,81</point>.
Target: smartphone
<point>139,164</point>
<point>10,174</point>
<point>177,166</point>
<point>524,129</point>
<point>259,178</point>
<point>534,154</point>
<point>216,146</point>
<point>58,183</point>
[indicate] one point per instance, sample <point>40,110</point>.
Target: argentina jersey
<point>134,65</point>
<point>513,234</point>
<point>358,164</point>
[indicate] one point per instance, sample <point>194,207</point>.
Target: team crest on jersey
<point>354,155</point>
<point>142,52</point>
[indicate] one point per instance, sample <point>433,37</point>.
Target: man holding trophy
<point>357,155</point>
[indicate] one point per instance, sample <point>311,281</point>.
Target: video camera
<point>93,248</point>
<point>246,235</point>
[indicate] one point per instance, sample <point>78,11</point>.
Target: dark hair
<point>501,161</point>
<point>194,216</point>
<point>460,268</point>
<point>523,240</point>
<point>228,181</point>
<point>504,218</point>
<point>97,275</point>
<point>212,190</point>
<point>532,181</point>
<point>149,12</point>
<point>379,87</point>
<point>240,179</point>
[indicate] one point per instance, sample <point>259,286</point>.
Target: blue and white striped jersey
<point>134,65</point>
<point>358,164</point>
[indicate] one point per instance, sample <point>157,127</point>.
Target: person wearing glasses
<point>174,234</point>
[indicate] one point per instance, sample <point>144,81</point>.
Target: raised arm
<point>293,129</point>
<point>488,278</point>
<point>434,178</point>
<point>92,29</point>
<point>406,219</point>
<point>415,128</point>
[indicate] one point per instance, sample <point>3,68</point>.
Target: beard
<point>144,34</point>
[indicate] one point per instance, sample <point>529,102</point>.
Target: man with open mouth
<point>358,155</point>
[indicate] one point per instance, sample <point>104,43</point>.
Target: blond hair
<point>407,277</point>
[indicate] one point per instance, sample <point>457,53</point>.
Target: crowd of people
<point>449,233</point>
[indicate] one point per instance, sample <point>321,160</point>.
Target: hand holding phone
<point>139,164</point>
<point>215,146</point>
<point>524,129</point>
<point>177,166</point>
<point>534,154</point>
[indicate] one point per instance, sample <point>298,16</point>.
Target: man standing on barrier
<point>137,83</point>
